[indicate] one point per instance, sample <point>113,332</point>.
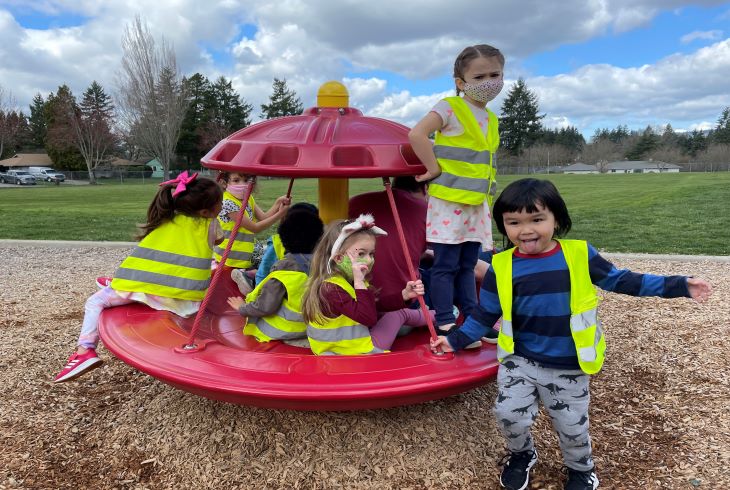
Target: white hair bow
<point>362,222</point>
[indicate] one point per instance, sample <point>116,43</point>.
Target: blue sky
<point>592,64</point>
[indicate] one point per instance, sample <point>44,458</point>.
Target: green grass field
<point>650,213</point>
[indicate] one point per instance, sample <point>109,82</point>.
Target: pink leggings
<point>385,331</point>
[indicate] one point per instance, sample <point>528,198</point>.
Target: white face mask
<point>484,91</point>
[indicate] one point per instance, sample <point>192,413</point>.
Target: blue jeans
<point>452,279</point>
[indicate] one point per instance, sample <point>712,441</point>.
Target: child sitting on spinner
<point>168,270</point>
<point>339,307</point>
<point>273,308</point>
<point>254,220</point>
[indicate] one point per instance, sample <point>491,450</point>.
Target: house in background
<point>156,167</point>
<point>641,167</point>
<point>580,168</point>
<point>25,160</point>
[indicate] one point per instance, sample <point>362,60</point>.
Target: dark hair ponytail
<point>200,194</point>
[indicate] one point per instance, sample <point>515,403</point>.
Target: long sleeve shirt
<point>273,292</point>
<point>541,303</point>
<point>362,308</point>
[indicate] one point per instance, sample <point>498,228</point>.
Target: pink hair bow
<point>182,181</point>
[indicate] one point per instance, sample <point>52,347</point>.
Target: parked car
<point>47,174</point>
<point>20,177</point>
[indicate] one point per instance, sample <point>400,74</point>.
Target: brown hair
<point>201,194</point>
<point>322,268</point>
<point>469,54</point>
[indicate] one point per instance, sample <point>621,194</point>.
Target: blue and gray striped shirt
<point>541,303</point>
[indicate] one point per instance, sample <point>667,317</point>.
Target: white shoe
<point>239,278</point>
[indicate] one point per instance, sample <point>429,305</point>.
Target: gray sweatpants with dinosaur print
<point>522,385</point>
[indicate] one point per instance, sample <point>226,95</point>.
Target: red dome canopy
<point>322,142</point>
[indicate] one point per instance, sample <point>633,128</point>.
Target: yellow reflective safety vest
<point>172,261</point>
<point>242,249</point>
<point>341,335</point>
<point>468,173</point>
<point>278,246</point>
<point>287,322</point>
<point>585,328</point>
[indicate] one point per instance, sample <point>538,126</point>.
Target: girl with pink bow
<point>339,307</point>
<point>168,270</point>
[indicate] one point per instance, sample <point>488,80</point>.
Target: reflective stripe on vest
<point>468,173</point>
<point>163,264</point>
<point>341,335</point>
<point>240,255</point>
<point>287,322</point>
<point>585,327</point>
<point>278,246</point>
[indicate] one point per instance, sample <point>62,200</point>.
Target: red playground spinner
<point>209,355</point>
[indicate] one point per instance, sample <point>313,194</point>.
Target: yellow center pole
<point>334,193</point>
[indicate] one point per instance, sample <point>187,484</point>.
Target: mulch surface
<point>660,413</point>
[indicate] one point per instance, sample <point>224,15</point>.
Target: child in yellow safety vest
<point>550,340</point>
<point>168,270</point>
<point>254,221</point>
<point>338,306</point>
<point>460,171</point>
<point>275,249</point>
<point>273,309</point>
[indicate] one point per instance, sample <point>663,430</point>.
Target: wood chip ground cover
<point>660,413</point>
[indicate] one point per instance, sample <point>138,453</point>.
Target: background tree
<point>13,124</point>
<point>647,143</point>
<point>519,124</point>
<point>282,102</point>
<point>37,123</point>
<point>152,97</point>
<point>229,113</point>
<point>59,112</point>
<point>198,92</point>
<point>92,124</point>
<point>721,134</point>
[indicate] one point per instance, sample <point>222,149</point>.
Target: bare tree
<point>9,119</point>
<point>600,152</point>
<point>716,157</point>
<point>92,124</point>
<point>151,94</point>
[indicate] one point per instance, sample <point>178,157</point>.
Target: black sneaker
<point>580,480</point>
<point>516,472</point>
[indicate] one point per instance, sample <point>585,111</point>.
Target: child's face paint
<point>360,252</point>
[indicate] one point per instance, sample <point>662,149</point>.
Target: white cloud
<point>702,126</point>
<point>680,89</point>
<point>311,41</point>
<point>713,35</point>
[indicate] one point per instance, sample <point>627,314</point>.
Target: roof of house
<point>639,165</point>
<point>580,167</point>
<point>27,160</point>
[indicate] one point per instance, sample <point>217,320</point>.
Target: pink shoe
<point>102,282</point>
<point>78,364</point>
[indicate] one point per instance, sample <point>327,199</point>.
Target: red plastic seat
<point>237,369</point>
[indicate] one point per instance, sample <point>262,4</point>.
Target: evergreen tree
<point>520,124</point>
<point>695,143</point>
<point>37,122</point>
<point>722,130</point>
<point>200,101</point>
<point>282,102</point>
<point>59,111</point>
<point>92,126</point>
<point>648,142</point>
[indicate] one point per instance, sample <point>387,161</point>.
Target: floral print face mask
<point>484,91</point>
